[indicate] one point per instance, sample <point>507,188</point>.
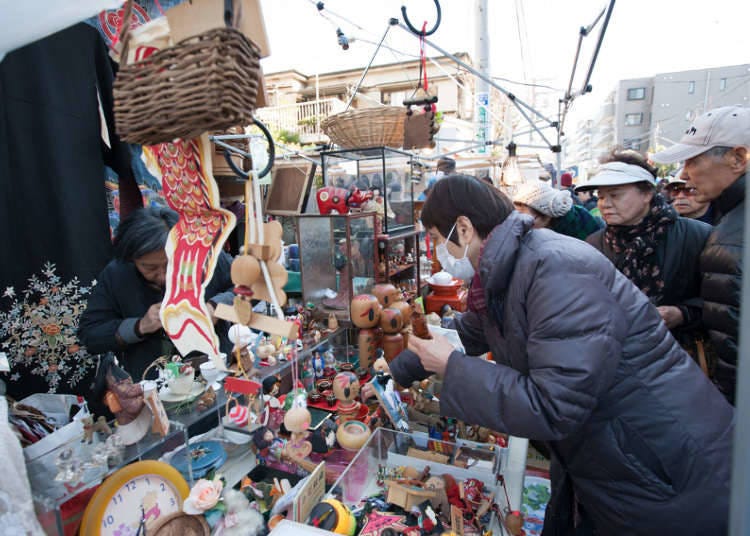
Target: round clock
<point>133,499</point>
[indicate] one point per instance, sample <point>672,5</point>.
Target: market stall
<point>273,433</point>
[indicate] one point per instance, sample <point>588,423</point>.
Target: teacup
<point>209,372</point>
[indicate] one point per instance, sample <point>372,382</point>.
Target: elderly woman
<point>554,209</point>
<point>583,362</point>
<point>648,242</point>
<point>122,315</point>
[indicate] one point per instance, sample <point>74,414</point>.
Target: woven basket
<point>204,83</point>
<point>370,127</point>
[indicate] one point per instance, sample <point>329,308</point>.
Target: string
<point>423,56</point>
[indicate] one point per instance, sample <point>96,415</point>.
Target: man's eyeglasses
<point>685,190</point>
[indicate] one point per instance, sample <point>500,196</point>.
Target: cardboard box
<point>198,16</point>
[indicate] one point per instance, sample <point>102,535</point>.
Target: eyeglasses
<point>685,190</point>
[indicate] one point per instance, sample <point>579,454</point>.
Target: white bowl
<point>209,372</point>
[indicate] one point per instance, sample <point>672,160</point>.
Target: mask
<point>460,268</point>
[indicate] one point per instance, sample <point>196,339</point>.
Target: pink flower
<point>204,496</point>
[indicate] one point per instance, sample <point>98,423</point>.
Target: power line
<point>527,83</point>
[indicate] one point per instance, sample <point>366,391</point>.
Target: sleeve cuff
<point>407,368</point>
<point>126,331</point>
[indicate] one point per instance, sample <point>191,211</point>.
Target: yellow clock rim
<point>92,516</point>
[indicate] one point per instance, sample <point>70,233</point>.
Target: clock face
<point>145,498</point>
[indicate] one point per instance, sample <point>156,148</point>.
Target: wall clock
<point>133,499</point>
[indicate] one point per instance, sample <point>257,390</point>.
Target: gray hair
<point>143,231</point>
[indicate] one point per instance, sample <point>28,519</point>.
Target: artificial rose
<point>51,330</point>
<point>30,351</point>
<point>204,496</point>
<point>73,348</point>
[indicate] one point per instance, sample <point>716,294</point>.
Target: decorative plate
<point>205,455</point>
<point>167,396</point>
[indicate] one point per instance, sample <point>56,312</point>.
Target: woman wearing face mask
<point>647,241</point>
<point>554,209</point>
<point>584,363</point>
<point>122,314</point>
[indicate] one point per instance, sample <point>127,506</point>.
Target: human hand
<point>671,315</point>
<point>150,322</point>
<point>433,353</point>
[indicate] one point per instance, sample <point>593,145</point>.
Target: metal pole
<point>364,73</point>
<point>483,128</point>
<point>739,513</point>
<point>518,102</point>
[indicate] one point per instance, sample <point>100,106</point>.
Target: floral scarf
<point>635,248</point>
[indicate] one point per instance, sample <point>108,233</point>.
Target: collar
<point>732,196</point>
<point>500,251</point>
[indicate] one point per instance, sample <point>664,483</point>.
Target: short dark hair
<point>628,156</point>
<point>446,164</point>
<point>462,195</point>
<point>143,231</point>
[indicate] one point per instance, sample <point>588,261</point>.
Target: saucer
<point>166,395</point>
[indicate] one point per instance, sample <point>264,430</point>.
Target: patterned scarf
<point>635,248</point>
<point>475,300</point>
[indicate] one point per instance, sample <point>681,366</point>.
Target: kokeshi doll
<point>391,322</point>
<point>405,309</point>
<point>386,293</point>
<point>365,314</point>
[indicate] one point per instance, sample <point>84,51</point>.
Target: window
<point>632,143</point>
<point>722,84</point>
<point>691,87</point>
<point>633,119</point>
<point>636,93</point>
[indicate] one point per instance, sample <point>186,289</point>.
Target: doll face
<point>365,311</point>
<point>391,320</point>
<point>346,386</point>
<point>386,294</point>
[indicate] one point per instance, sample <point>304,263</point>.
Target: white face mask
<point>460,268</point>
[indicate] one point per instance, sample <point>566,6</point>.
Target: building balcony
<point>303,118</point>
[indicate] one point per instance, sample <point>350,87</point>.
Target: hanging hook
<point>420,32</point>
<point>271,154</point>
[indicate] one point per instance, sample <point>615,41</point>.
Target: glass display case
<point>386,171</point>
<point>398,262</point>
<point>337,259</point>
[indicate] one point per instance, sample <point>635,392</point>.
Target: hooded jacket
<point>584,362</point>
<point>721,266</point>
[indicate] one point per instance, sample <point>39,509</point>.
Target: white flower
<point>10,292</point>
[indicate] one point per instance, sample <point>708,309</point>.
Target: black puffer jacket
<point>121,297</point>
<point>678,256</point>
<point>584,362</point>
<point>721,264</point>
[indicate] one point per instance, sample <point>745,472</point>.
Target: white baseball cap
<point>728,126</point>
<point>617,174</point>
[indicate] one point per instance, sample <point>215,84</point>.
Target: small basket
<point>204,83</point>
<point>370,127</point>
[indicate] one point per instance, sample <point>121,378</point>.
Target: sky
<point>530,40</point>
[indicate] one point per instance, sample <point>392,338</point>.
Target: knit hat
<point>566,180</point>
<point>543,198</point>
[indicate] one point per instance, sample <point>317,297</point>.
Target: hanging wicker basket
<point>370,127</point>
<point>204,83</point>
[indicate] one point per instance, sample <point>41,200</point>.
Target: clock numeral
<point>163,488</point>
<point>130,485</point>
<point>148,482</point>
<point>108,521</point>
<point>172,501</point>
<point>117,498</point>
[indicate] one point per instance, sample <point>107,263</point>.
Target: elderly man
<point>715,150</point>
<point>685,201</point>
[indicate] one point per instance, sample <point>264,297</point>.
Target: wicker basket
<point>370,127</point>
<point>204,83</point>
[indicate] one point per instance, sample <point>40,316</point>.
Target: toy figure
<point>391,322</point>
<point>273,415</point>
<point>297,421</point>
<point>365,314</point>
<point>346,389</point>
<point>90,427</point>
<point>318,364</point>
